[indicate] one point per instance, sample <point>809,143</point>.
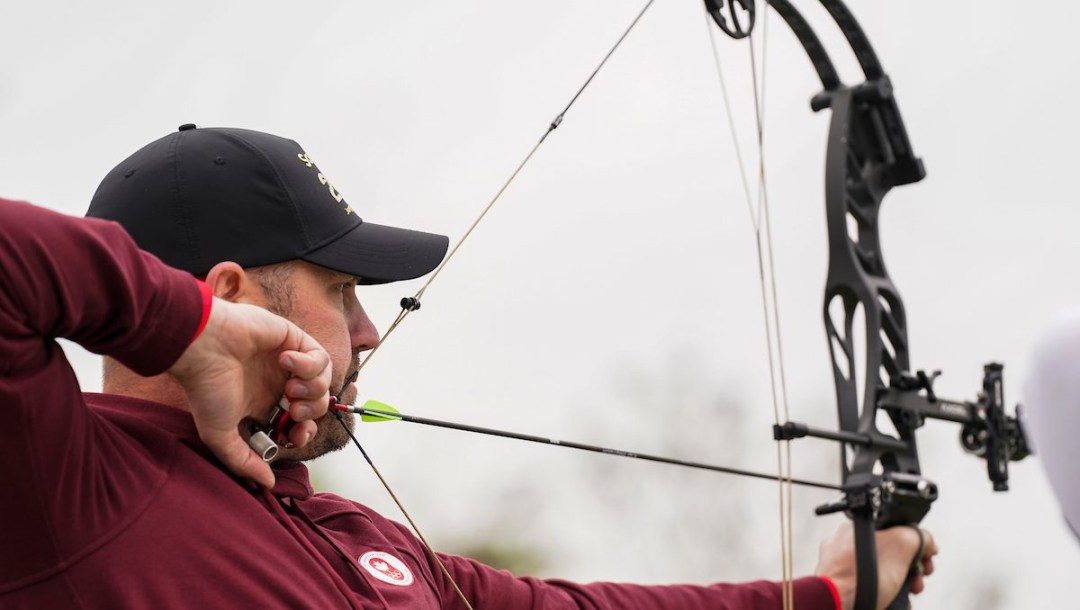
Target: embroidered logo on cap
<point>308,161</point>
<point>386,568</point>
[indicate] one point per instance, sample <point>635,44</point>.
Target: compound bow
<point>868,154</point>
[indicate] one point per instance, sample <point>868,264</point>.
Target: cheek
<point>338,345</point>
<point>332,332</point>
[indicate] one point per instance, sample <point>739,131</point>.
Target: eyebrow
<point>339,275</point>
<point>346,277</point>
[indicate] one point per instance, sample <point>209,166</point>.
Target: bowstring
<point>760,219</point>
<point>784,470</point>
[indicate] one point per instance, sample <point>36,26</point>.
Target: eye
<point>345,287</point>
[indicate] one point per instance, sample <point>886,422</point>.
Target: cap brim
<point>378,254</point>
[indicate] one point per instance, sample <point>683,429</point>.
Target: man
<point>143,496</point>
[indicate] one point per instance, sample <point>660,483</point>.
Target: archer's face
<point>324,305</point>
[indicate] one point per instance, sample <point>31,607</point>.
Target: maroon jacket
<point>113,502</point>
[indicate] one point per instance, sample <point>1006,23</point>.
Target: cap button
<point>187,126</point>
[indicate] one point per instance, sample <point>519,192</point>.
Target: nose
<point>363,335</point>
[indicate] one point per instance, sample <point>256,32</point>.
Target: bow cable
<point>410,304</point>
<point>760,218</point>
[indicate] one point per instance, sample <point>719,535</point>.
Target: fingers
<point>302,433</point>
<point>930,548</point>
<point>306,364</point>
<point>926,561</point>
<point>309,387</point>
<point>927,566</point>
<point>924,553</point>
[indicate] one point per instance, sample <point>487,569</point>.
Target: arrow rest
<point>891,498</point>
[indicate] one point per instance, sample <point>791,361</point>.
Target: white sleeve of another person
<point>1051,410</point>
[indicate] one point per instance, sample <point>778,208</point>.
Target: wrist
<point>837,600</point>
<point>207,295</point>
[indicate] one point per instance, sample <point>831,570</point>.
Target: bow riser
<point>859,162</point>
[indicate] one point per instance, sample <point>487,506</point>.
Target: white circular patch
<point>386,568</point>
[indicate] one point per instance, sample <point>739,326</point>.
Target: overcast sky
<point>621,263</point>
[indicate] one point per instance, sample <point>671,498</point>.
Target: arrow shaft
<point>574,445</point>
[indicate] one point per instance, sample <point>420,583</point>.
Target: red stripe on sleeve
<point>207,303</point>
<point>834,590</point>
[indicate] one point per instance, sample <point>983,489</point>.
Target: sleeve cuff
<point>835,592</point>
<point>207,302</point>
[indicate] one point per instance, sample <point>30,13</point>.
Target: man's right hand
<point>238,368</point>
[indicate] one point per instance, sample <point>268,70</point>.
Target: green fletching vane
<point>378,406</point>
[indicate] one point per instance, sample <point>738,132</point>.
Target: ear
<point>230,282</point>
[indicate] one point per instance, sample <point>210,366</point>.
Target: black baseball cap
<point>201,196</point>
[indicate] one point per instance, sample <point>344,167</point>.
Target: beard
<point>331,435</point>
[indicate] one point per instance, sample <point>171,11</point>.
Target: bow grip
<point>902,602</point>
<point>876,502</point>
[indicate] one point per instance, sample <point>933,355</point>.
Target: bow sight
<point>896,497</point>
